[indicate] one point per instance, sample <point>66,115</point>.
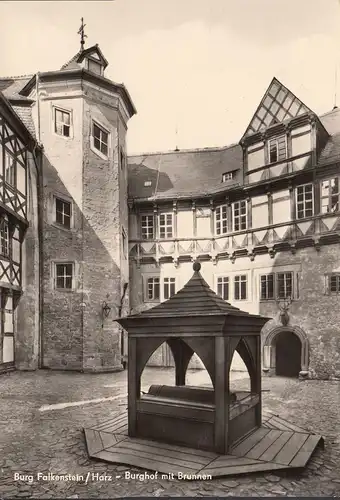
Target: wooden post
<point>258,382</point>
<point>221,395</point>
<point>133,386</point>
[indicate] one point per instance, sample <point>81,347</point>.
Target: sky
<point>195,69</point>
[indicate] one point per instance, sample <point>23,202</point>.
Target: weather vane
<point>82,34</point>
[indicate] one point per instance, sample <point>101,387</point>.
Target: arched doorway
<point>288,354</point>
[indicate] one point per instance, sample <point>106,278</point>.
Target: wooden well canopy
<point>195,320</point>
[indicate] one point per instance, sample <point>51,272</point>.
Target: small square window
<point>63,212</point>
<point>62,122</point>
<point>63,276</point>
<point>100,139</point>
<point>228,176</point>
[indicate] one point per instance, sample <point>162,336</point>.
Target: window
<point>333,283</point>
<point>147,226</point>
<point>284,285</point>
<point>277,149</point>
<point>223,287</point>
<point>165,226</point>
<point>94,67</point>
<point>4,237</point>
<point>62,122</point>
<point>63,213</point>
<point>124,243</point>
<point>122,159</point>
<point>64,276</point>
<point>330,196</point>
<point>240,287</point>
<point>267,287</point>
<point>147,183</point>
<point>169,287</point>
<point>9,169</point>
<point>239,215</point>
<point>153,289</point>
<point>228,176</point>
<point>304,201</point>
<point>221,219</point>
<point>100,139</point>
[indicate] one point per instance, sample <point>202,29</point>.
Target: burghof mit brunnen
<point>91,235</point>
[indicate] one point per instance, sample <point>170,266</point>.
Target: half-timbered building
<point>19,241</point>
<point>262,216</point>
<point>87,234</point>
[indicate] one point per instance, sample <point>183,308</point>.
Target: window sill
<point>66,290</point>
<point>99,153</point>
<point>63,228</point>
<point>66,137</point>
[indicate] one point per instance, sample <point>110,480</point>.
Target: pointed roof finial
<point>82,34</point>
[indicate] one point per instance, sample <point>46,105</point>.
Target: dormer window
<point>228,176</point>
<point>94,67</point>
<point>277,149</point>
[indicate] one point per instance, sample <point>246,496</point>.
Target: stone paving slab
<point>40,442</point>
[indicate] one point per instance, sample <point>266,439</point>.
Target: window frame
<point>276,140</point>
<point>146,279</point>
<point>328,287</point>
<point>62,200</point>
<point>125,244</point>
<point>99,63</point>
<point>228,176</point>
<point>304,201</point>
<point>221,220</point>
<point>103,129</point>
<point>239,282</point>
<point>166,225</point>
<point>152,217</point>
<point>239,217</point>
<point>11,169</point>
<point>5,242</point>
<point>55,109</point>
<point>168,281</point>
<point>276,297</point>
<point>223,281</point>
<point>329,195</point>
<point>55,276</point>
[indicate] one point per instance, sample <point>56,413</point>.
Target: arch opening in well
<point>180,370</point>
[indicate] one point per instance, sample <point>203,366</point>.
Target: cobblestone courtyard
<point>41,434</point>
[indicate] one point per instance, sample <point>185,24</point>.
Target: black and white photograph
<point>169,249</point>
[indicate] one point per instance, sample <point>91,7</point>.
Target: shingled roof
<point>196,298</point>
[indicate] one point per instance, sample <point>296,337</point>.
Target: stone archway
<point>276,338</point>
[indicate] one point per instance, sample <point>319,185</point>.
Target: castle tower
<point>81,120</point>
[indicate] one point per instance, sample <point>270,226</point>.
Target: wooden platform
<point>277,445</point>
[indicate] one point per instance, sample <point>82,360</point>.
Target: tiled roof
<point>72,63</point>
<point>199,172</point>
<point>183,173</point>
<point>10,87</point>
<point>25,115</point>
